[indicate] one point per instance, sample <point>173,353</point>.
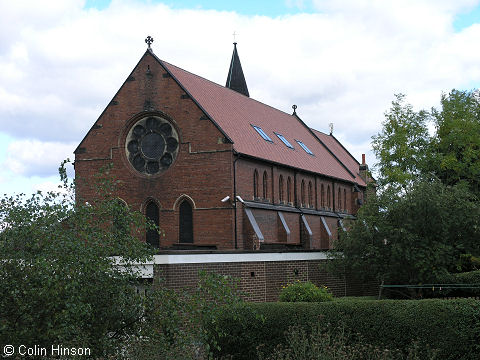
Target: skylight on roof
<point>304,147</point>
<point>285,141</point>
<point>262,133</point>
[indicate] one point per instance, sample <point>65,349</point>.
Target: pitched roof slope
<point>342,154</point>
<point>235,114</point>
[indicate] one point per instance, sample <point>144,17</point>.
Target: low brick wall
<point>261,275</point>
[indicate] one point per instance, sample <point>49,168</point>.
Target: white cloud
<point>61,64</point>
<point>33,157</point>
<point>49,186</point>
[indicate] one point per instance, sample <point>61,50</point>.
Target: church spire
<point>236,79</point>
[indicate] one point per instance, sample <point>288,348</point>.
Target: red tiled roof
<point>235,114</point>
<point>342,154</point>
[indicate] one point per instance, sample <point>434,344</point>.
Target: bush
<point>451,327</point>
<point>470,278</point>
<point>468,262</point>
<point>176,321</point>
<point>335,344</point>
<point>305,292</point>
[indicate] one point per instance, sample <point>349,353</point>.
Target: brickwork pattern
<point>202,173</point>
<point>262,281</point>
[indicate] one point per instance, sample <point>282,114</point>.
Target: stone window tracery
<point>152,145</point>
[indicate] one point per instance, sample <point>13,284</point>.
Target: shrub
<point>305,292</point>
<point>470,278</point>
<point>468,262</point>
<point>182,324</point>
<point>450,326</point>
<point>318,343</point>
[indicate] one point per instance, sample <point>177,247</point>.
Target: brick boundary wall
<point>261,275</point>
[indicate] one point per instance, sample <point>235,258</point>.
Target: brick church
<point>235,185</point>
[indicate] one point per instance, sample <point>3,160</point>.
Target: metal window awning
<point>254,224</point>
<point>284,224</point>
<point>325,225</point>
<point>307,227</point>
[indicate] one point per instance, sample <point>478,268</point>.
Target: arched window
<point>310,195</point>
<point>185,223</point>
<point>255,184</point>
<point>322,196</point>
<point>152,214</point>
<point>302,193</point>
<point>289,190</point>
<point>329,197</point>
<point>345,199</point>
<point>265,185</point>
<point>280,189</point>
<point>339,200</point>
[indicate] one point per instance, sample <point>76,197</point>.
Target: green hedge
<point>451,326</point>
<point>470,277</point>
<point>465,278</point>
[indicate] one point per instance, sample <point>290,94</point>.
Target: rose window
<point>152,145</point>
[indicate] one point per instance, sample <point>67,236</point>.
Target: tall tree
<point>411,239</point>
<point>457,140</point>
<point>426,215</point>
<point>401,147</point>
<point>58,282</point>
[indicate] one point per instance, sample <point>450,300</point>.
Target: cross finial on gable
<point>149,40</point>
<point>234,37</point>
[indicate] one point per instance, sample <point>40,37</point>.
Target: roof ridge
<point>162,63</point>
<point>241,108</point>
<point>223,87</point>
<point>344,148</point>
<point>339,143</point>
<point>324,145</point>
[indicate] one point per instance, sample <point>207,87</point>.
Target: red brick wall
<point>202,170</point>
<point>262,281</point>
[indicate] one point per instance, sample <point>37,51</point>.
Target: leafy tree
<point>61,286</point>
<point>184,324</point>
<point>402,146</point>
<point>58,282</point>
<point>457,140</point>
<point>424,219</point>
<point>412,239</point>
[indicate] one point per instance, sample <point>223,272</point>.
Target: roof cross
<point>234,37</point>
<point>149,40</point>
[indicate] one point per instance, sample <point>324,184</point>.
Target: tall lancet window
<point>280,189</point>
<point>329,197</point>
<point>255,184</point>
<point>152,214</point>
<point>265,185</point>
<point>289,190</point>
<point>310,194</point>
<point>302,193</point>
<point>322,196</point>
<point>339,200</point>
<point>185,222</point>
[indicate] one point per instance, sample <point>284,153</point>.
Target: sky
<point>339,61</point>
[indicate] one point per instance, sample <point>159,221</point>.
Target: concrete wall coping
<point>146,269</point>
